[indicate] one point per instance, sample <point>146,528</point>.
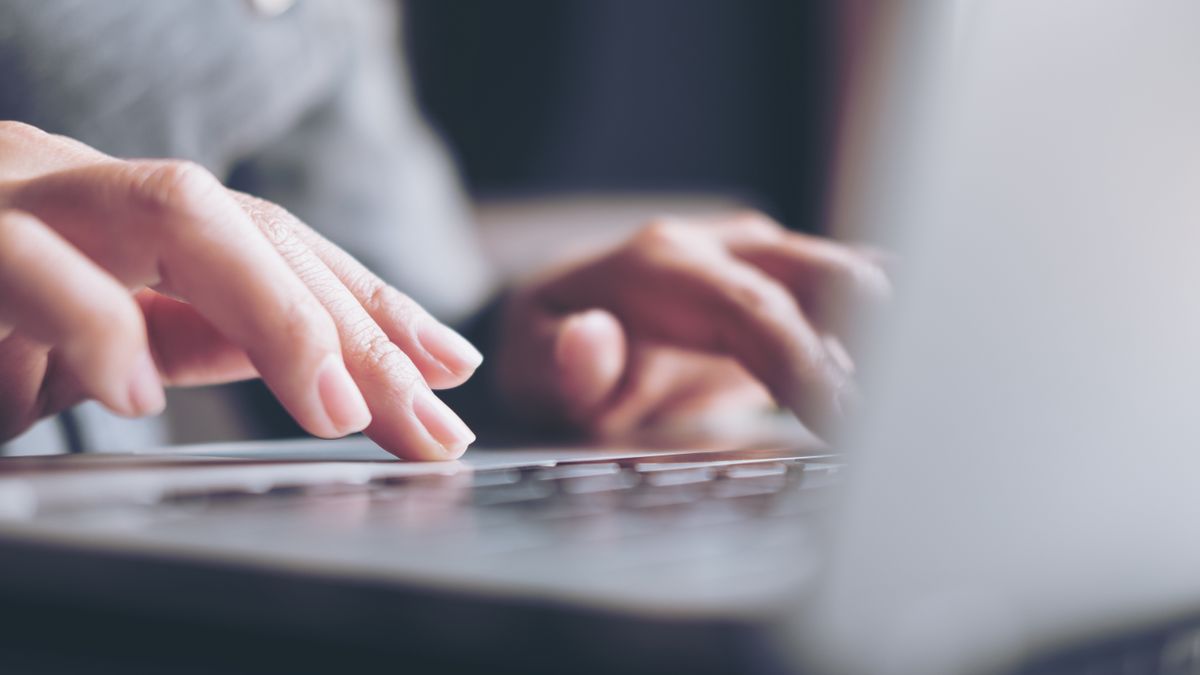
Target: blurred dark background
<point>545,97</point>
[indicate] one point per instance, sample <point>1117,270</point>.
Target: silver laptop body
<point>1029,474</point>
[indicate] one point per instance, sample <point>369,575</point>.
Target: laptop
<point>1017,494</point>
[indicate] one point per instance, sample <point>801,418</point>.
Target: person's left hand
<point>685,318</point>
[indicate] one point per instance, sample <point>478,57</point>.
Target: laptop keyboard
<point>750,487</point>
<point>685,523</point>
<point>606,486</point>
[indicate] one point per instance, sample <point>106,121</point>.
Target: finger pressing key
<point>407,419</point>
<point>195,242</point>
<point>445,358</point>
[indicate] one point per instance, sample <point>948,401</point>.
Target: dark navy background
<point>545,96</point>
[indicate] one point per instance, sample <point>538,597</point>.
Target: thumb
<point>589,358</point>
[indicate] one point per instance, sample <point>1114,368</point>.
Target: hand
<point>684,318</point>
<point>117,277</point>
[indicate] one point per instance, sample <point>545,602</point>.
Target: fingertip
<point>345,408</point>
<point>442,424</point>
<point>146,396</point>
<point>590,353</point>
<point>591,333</point>
<point>452,354</point>
<point>111,368</point>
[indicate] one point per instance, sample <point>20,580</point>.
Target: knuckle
<point>19,131</point>
<point>669,239</point>
<point>311,272</point>
<point>174,188</point>
<point>663,232</point>
<point>384,300</point>
<point>302,320</point>
<point>279,228</point>
<point>381,356</point>
<point>276,222</point>
<point>756,224</point>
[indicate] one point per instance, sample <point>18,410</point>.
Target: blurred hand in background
<point>686,318</point>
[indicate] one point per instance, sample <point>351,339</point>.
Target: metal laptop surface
<point>591,559</point>
<point>1039,378</point>
<point>671,531</point>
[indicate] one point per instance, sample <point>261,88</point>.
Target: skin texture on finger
<point>195,242</point>
<point>444,357</point>
<point>407,420</point>
<point>51,292</point>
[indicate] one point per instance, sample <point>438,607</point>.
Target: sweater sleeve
<point>365,170</point>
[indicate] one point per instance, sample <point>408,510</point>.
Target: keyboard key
<point>664,474</point>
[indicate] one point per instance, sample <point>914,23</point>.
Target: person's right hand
<point>117,277</point>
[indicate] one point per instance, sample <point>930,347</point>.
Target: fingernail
<point>146,395</point>
<point>343,402</point>
<point>447,346</point>
<point>441,423</point>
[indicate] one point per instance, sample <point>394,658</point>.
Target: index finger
<point>174,226</point>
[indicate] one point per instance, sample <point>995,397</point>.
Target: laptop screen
<point>1025,471</point>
